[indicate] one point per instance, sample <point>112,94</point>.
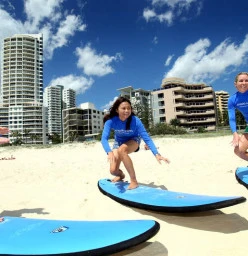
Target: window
<point>161,103</point>
<point>160,95</point>
<point>162,119</point>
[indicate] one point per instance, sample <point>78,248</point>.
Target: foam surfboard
<point>25,236</point>
<point>156,199</point>
<point>241,175</point>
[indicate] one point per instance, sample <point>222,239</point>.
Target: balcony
<point>195,112</point>
<point>197,121</point>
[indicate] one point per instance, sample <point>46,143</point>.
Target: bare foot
<point>119,178</point>
<point>133,185</point>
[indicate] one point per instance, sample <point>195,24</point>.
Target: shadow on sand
<point>145,249</point>
<point>19,213</point>
<point>212,220</point>
<point>215,220</point>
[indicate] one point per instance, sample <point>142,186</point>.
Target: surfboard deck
<point>25,236</point>
<point>241,175</point>
<point>156,199</point>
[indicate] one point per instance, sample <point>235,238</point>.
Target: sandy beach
<point>60,182</point>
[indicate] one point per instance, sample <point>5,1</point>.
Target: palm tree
<point>73,135</point>
<point>18,138</point>
<point>33,137</point>
<point>144,112</point>
<point>26,133</point>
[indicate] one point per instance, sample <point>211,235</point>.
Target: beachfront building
<point>93,120</point>
<point>53,102</point>
<point>73,125</point>
<point>136,96</point>
<point>69,98</point>
<point>21,92</point>
<point>82,123</point>
<point>192,104</point>
<point>141,103</point>
<point>56,98</point>
<point>221,104</point>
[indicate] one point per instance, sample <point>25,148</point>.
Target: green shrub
<point>163,128</point>
<point>201,130</point>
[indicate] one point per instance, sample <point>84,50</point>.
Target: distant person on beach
<point>4,130</point>
<point>239,101</point>
<point>128,131</point>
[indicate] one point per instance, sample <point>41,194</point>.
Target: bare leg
<point>123,152</point>
<point>118,176</point>
<point>241,149</point>
<point>115,168</point>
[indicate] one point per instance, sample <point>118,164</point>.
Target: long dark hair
<point>114,108</point>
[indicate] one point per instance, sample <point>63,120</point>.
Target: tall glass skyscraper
<point>21,92</point>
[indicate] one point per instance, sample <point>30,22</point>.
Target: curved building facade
<point>192,104</point>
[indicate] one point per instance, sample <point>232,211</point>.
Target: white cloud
<point>78,83</point>
<point>9,25</point>
<point>149,14</point>
<point>173,3</point>
<point>93,63</point>
<point>66,29</point>
<point>44,16</point>
<point>166,17</point>
<point>155,40</point>
<point>109,105</point>
<point>166,11</point>
<point>168,61</point>
<point>197,65</point>
<point>58,27</point>
<point>37,11</point>
<point>8,5</point>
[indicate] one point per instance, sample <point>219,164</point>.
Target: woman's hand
<point>235,141</point>
<point>111,157</point>
<point>161,158</point>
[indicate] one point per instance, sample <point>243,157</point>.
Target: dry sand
<point>60,182</point>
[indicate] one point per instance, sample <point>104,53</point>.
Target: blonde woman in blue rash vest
<point>239,101</point>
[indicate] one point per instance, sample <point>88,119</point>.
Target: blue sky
<point>99,46</point>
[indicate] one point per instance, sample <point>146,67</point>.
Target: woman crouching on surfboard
<point>128,131</point>
<point>239,101</point>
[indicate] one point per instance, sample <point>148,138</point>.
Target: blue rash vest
<point>237,101</point>
<point>122,135</point>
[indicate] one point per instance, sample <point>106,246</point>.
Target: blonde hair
<point>237,76</point>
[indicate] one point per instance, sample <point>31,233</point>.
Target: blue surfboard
<point>155,199</point>
<point>241,175</point>
<point>24,236</point>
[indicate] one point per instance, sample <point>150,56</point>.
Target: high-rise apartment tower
<point>69,98</point>
<point>53,102</point>
<point>21,92</point>
<point>56,99</point>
